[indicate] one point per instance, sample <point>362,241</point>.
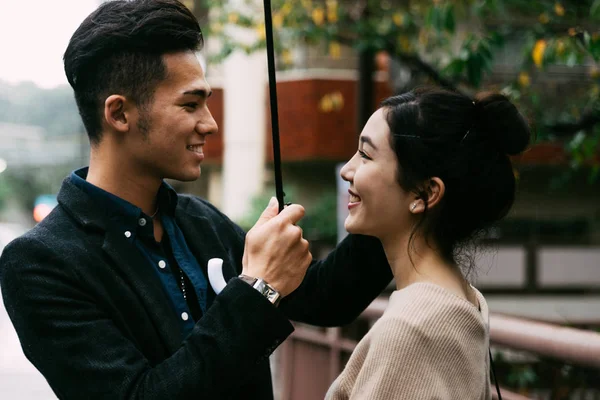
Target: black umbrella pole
<point>273,100</point>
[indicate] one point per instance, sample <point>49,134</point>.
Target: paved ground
<point>19,380</point>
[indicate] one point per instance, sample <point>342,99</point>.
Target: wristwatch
<point>263,288</point>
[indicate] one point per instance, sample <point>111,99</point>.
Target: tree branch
<point>564,129</point>
<point>561,129</point>
<point>418,63</point>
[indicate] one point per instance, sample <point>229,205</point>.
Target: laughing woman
<point>431,173</point>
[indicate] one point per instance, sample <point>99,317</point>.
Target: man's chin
<point>187,176</point>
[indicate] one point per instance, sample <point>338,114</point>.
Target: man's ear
<point>435,191</point>
<point>116,113</point>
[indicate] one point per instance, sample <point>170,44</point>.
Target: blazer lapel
<point>132,264</point>
<point>204,244</point>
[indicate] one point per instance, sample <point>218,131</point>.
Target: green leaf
<point>577,140</point>
<point>429,16</point>
<point>474,66</point>
<point>496,39</point>
<point>595,10</point>
<point>450,22</point>
<point>485,51</point>
<point>594,173</point>
<point>594,48</point>
<point>572,59</point>
<point>586,38</point>
<point>455,68</point>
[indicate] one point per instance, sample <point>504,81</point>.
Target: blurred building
<point>30,146</point>
<point>542,262</point>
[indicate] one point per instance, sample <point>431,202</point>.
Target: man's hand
<point>275,250</point>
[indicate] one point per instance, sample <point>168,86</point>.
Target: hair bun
<point>500,119</point>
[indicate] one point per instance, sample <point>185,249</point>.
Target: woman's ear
<point>434,190</point>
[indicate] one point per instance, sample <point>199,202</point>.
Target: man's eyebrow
<point>367,140</point>
<point>199,92</point>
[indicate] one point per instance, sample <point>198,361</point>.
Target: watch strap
<point>263,288</point>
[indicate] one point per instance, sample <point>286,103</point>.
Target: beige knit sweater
<point>429,344</point>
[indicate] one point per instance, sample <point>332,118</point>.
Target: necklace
<point>182,284</point>
<point>155,212</point>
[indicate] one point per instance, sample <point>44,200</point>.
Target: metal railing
<point>312,358</point>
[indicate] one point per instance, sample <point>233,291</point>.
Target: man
<point>108,294</point>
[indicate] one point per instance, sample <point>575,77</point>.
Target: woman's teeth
<point>354,199</point>
<point>195,149</point>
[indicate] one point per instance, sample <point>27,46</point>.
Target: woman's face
<point>378,205</point>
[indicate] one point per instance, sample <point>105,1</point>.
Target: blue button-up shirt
<point>165,258</point>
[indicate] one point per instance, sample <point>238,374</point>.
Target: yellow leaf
<point>594,72</point>
<point>326,105</point>
<point>318,16</point>
<point>560,47</point>
<point>423,38</point>
<point>404,43</point>
<point>332,10</point>
<point>398,19</point>
<point>538,52</point>
<point>572,31</point>
<point>337,100</point>
<point>544,18</point>
<point>277,20</point>
<point>233,18</point>
<point>332,16</point>
<point>307,4</point>
<point>286,57</point>
<point>335,50</point>
<point>260,31</point>
<point>524,79</point>
<point>559,9</point>
<point>286,8</point>
<point>217,27</point>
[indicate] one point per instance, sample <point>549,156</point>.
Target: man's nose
<point>207,124</point>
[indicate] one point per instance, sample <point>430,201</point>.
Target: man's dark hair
<point>119,48</point>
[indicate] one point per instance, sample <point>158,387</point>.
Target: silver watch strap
<point>263,288</point>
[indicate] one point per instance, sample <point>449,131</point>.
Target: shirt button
<point>162,264</point>
<point>127,234</point>
<point>142,221</point>
<point>184,316</point>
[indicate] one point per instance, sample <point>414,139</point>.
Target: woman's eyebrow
<point>367,140</point>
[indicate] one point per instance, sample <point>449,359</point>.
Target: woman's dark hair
<point>466,143</point>
<point>118,49</point>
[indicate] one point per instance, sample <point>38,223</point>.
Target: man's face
<point>168,138</point>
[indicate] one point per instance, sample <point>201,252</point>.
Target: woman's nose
<point>346,172</point>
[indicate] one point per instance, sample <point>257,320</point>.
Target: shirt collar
<point>123,212</point>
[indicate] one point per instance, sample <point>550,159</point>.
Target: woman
<point>431,173</point>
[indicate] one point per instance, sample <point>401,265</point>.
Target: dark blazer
<point>97,323</point>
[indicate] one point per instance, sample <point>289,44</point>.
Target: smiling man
<point>109,294</point>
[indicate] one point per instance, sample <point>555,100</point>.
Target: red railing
<point>312,358</point>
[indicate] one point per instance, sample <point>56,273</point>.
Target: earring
<point>412,208</point>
